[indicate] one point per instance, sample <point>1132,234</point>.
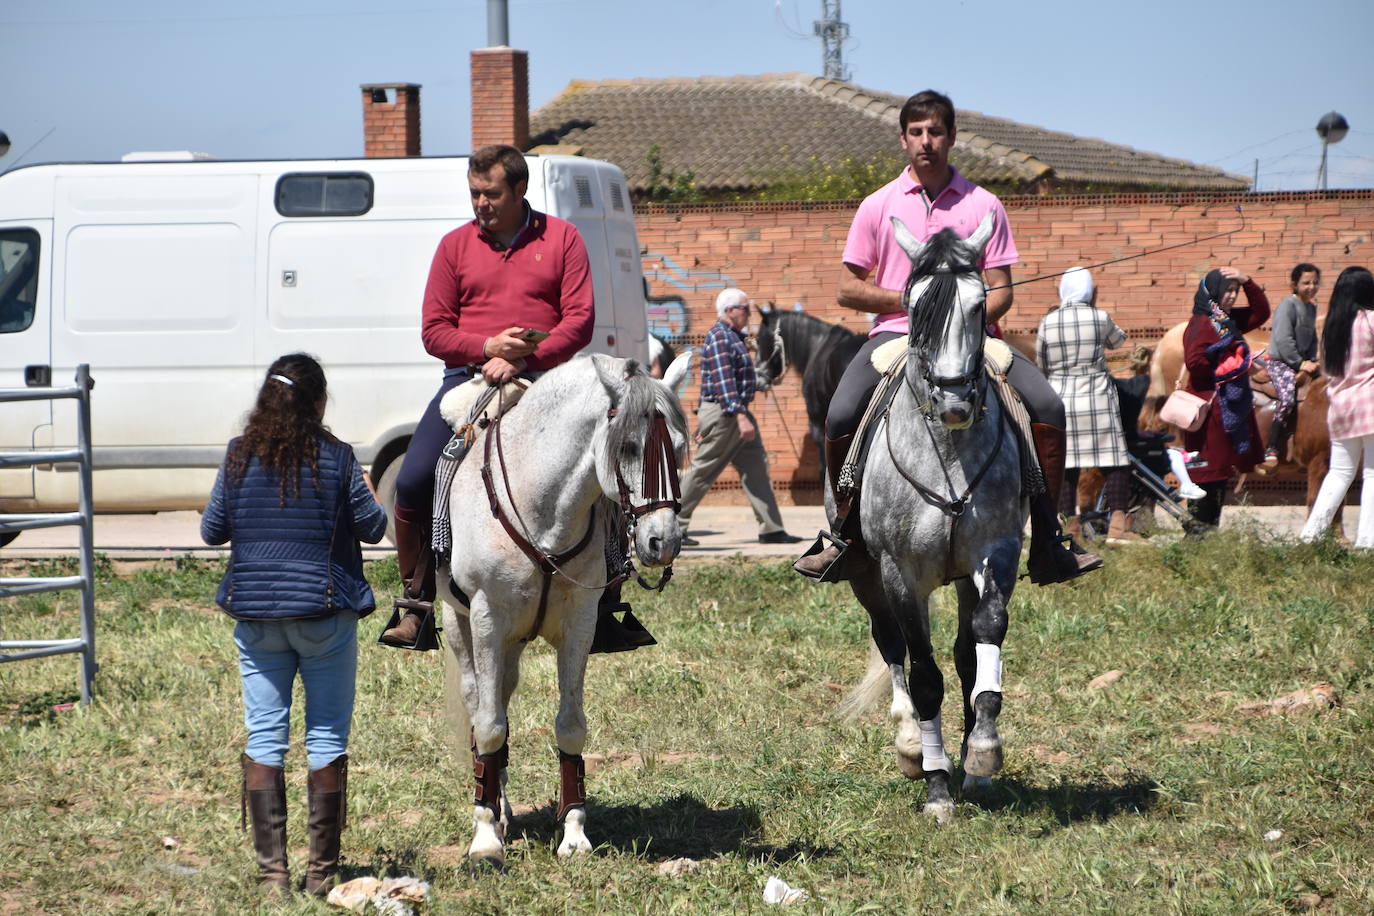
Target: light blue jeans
<point>325,652</point>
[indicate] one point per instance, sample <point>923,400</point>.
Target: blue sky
<point>1223,82</point>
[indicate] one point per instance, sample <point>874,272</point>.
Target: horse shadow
<point>682,826</point>
<point>1068,803</point>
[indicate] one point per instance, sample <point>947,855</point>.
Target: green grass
<point>1152,795</point>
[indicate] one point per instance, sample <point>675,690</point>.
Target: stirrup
<point>835,570</point>
<point>426,638</point>
<point>624,635</point>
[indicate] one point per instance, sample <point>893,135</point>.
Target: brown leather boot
<point>416,564</point>
<point>822,559</point>
<point>1119,530</point>
<point>327,796</point>
<point>264,804</point>
<point>1050,558</point>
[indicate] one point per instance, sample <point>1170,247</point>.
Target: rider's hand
<point>507,346</point>
<point>747,431</point>
<point>1231,273</point>
<point>498,371</point>
<point>1311,368</point>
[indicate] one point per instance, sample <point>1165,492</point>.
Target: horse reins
<point>660,481</point>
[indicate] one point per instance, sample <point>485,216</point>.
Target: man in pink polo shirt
<point>508,270</point>
<point>928,196</point>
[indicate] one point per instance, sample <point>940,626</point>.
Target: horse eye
<point>630,450</point>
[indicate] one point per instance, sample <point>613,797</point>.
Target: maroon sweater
<point>477,288</point>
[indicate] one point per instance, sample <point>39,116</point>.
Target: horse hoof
<point>910,766</point>
<point>972,784</point>
<point>574,846</point>
<point>942,811</point>
<point>983,757</point>
<point>479,863</point>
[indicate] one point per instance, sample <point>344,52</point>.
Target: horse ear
<point>610,377</point>
<point>905,240</point>
<point>981,235</point>
<point>678,369</point>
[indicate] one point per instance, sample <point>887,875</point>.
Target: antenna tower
<point>833,34</point>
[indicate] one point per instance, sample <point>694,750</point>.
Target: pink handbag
<point>1184,409</point>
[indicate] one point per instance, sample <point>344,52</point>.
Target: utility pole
<point>833,34</point>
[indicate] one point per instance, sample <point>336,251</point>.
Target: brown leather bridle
<point>660,488</point>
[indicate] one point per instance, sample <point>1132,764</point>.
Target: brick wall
<point>789,252</point>
<point>391,120</point>
<point>500,97</point>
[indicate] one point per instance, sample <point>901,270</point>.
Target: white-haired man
<point>726,431</point>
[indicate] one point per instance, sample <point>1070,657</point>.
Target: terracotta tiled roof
<point>739,132</point>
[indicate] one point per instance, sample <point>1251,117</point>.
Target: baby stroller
<point>1146,453</point>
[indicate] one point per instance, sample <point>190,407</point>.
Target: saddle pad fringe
<point>465,434</point>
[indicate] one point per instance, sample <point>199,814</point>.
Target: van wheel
<point>386,493</point>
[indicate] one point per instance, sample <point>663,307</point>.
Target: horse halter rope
<point>657,475</point>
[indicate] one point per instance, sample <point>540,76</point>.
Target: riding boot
<point>264,803</point>
<point>824,560</point>
<point>327,797</point>
<point>1119,530</point>
<point>1054,557</point>
<point>618,635</point>
<point>416,562</point>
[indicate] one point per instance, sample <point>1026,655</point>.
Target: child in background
<point>294,503</point>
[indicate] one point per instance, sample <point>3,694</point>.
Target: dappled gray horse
<point>941,502</point>
<point>593,446</point>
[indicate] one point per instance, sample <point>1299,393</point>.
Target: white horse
<point>593,446</point>
<point>941,502</point>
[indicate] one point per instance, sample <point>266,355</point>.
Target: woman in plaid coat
<point>1071,348</point>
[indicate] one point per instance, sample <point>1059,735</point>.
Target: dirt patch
<point>1045,754</point>
<point>1197,732</point>
<point>636,761</point>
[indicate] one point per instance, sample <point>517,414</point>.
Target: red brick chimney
<point>500,97</point>
<point>391,120</point>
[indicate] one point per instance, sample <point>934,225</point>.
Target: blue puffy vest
<point>295,560</point>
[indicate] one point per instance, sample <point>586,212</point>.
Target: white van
<point>180,281</point>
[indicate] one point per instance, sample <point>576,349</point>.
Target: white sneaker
<point>1192,491</point>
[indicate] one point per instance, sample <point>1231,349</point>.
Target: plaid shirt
<point>727,369</point>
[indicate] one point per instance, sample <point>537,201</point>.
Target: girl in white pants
<point>1348,360</point>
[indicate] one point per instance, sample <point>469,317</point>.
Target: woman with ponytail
<point>1348,361</point>
<point>293,502</point>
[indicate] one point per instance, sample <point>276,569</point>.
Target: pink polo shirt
<point>961,206</point>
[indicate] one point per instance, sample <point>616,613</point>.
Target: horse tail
<point>869,691</point>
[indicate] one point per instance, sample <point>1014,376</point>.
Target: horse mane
<point>942,259</point>
<point>642,395</point>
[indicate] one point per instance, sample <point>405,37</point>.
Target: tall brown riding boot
<point>1119,530</point>
<point>823,560</point>
<point>1053,556</point>
<point>264,803</point>
<point>327,796</point>
<point>416,563</point>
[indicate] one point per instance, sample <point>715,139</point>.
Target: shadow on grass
<point>1068,803</point>
<point>679,827</point>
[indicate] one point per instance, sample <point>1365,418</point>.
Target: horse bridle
<point>779,353</point>
<point>660,481</point>
<point>973,377</point>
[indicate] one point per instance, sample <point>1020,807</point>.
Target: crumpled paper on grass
<point>392,897</point>
<point>779,891</point>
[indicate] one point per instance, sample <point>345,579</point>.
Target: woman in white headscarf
<point>1071,348</point>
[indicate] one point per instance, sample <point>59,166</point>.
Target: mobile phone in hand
<point>533,335</point>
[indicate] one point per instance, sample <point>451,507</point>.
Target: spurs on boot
<point>1053,557</point>
<point>327,796</point>
<point>264,804</point>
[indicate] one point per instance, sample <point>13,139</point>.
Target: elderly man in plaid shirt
<point>726,432</point>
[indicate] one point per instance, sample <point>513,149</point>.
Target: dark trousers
<point>859,380</point>
<point>415,483</point>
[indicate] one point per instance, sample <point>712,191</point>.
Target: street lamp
<point>1332,129</point>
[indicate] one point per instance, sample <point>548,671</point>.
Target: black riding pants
<point>859,380</point>
<point>415,483</point>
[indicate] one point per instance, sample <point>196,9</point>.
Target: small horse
<point>941,501</point>
<point>594,449</point>
<point>817,350</point>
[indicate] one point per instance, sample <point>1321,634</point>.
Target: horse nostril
<point>655,545</point>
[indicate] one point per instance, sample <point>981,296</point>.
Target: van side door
<point>25,344</point>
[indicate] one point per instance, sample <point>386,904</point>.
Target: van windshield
<point>18,278</point>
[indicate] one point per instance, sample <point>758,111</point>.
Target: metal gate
<point>81,455</point>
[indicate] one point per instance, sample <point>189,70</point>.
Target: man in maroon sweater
<point>509,270</point>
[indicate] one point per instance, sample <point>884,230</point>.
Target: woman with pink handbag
<point>1218,362</point>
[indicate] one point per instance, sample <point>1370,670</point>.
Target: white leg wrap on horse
<point>989,676</point>
<point>933,756</point>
